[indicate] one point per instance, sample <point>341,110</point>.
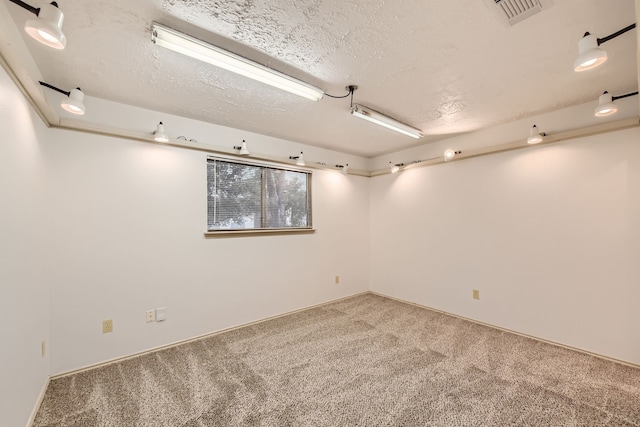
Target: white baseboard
<point>557,344</point>
<point>192,339</point>
<point>38,403</point>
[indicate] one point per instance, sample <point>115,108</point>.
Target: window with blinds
<point>245,196</point>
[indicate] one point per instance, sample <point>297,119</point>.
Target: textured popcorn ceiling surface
<point>447,67</point>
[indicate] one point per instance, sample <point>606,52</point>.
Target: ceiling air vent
<point>514,11</point>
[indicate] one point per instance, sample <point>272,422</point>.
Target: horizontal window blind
<point>252,196</point>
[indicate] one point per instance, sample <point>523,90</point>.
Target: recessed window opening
<point>253,196</point>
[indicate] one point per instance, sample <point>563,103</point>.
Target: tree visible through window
<point>254,196</point>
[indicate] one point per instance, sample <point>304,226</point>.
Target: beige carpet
<point>363,361</point>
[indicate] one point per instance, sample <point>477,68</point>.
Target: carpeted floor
<point>363,361</point>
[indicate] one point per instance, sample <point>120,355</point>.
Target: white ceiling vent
<point>514,11</point>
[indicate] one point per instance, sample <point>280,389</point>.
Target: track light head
<point>535,136</point>
<point>449,154</point>
<point>299,159</point>
<point>606,106</point>
<point>243,150</point>
<point>589,54</point>
<point>73,103</point>
<point>160,135</point>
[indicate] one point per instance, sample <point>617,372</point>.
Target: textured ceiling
<point>445,66</point>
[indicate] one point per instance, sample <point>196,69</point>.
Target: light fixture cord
<point>350,88</point>
<point>55,88</point>
<point>613,98</point>
<point>616,34</point>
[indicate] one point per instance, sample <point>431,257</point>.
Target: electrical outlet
<point>476,294</point>
<point>337,280</point>
<point>151,316</point>
<point>107,326</point>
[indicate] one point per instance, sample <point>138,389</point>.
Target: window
<point>245,196</point>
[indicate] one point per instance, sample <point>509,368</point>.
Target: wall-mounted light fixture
<point>535,136</point>
<point>590,55</point>
<point>242,149</point>
<point>299,159</point>
<point>205,52</point>
<point>47,27</point>
<point>344,169</point>
<point>607,106</point>
<point>159,135</point>
<point>449,154</point>
<point>395,167</point>
<point>73,102</point>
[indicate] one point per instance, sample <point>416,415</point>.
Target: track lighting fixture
<point>590,55</point>
<point>205,52</point>
<point>47,27</point>
<point>299,159</point>
<point>159,135</point>
<point>243,150</point>
<point>395,167</point>
<point>450,154</point>
<point>607,106</point>
<point>73,102</point>
<point>535,136</point>
<point>344,169</point>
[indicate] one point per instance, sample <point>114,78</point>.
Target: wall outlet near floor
<point>476,294</point>
<point>107,326</point>
<point>337,280</point>
<point>151,316</point>
<point>161,314</point>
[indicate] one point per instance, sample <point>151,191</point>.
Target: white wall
<point>24,294</point>
<point>549,235</point>
<point>128,220</point>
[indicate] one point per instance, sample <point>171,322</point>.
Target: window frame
<point>268,230</point>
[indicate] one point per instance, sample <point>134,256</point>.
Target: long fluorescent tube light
<point>386,121</point>
<point>205,52</point>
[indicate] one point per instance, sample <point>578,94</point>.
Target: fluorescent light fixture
<point>590,55</point>
<point>73,102</point>
<point>160,135</point>
<point>607,106</point>
<point>47,26</point>
<point>535,136</point>
<point>205,52</point>
<point>243,150</point>
<point>386,121</point>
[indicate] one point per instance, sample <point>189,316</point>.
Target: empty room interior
<point>198,228</point>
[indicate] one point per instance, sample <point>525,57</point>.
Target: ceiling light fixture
<point>449,154</point>
<point>344,169</point>
<point>159,135</point>
<point>205,52</point>
<point>299,159</point>
<point>589,53</point>
<point>243,150</point>
<point>535,136</point>
<point>73,103</point>
<point>47,27</point>
<point>395,167</point>
<point>607,106</point>
<point>384,120</point>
